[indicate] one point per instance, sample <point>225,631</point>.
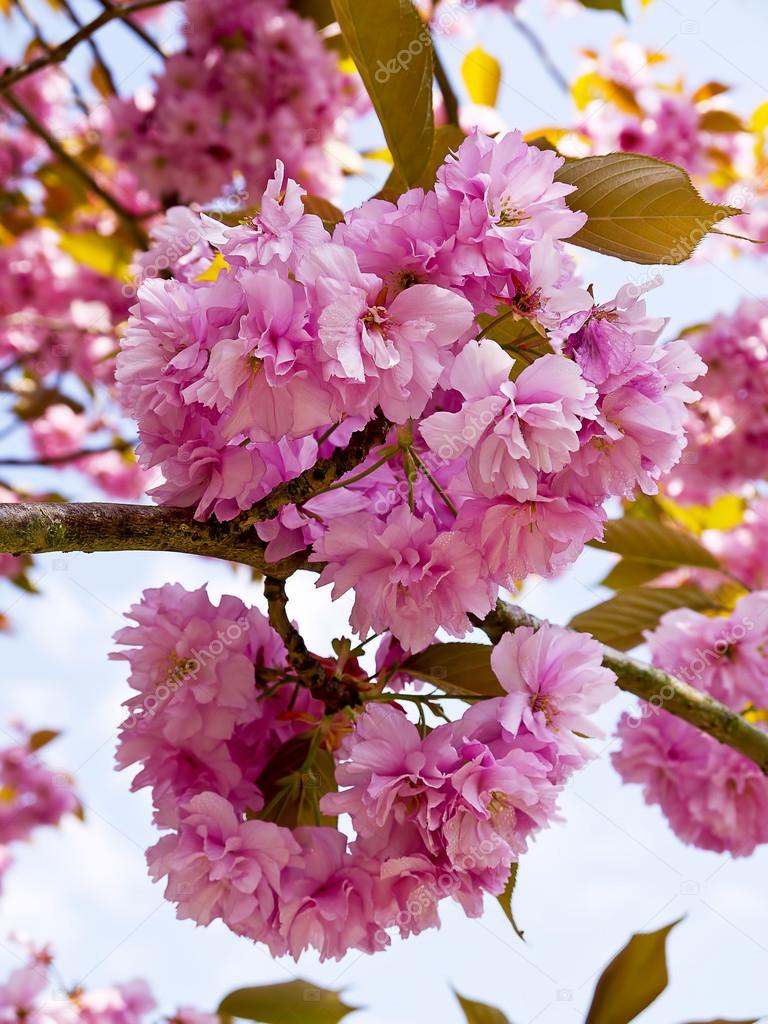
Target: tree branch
<point>59,53</point>
<point>136,28</point>
<point>38,527</point>
<point>446,89</point>
<point>138,233</point>
<point>62,460</point>
<point>656,686</point>
<point>334,692</point>
<point>319,477</point>
<point>541,52</point>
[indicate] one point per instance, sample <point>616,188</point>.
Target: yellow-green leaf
<point>103,253</point>
<point>506,901</point>
<point>592,86</point>
<point>392,49</point>
<point>481,1013</point>
<point>620,621</point>
<point>604,5</point>
<point>632,980</point>
<point>217,267</point>
<point>758,122</point>
<point>482,76</point>
<point>631,573</point>
<point>100,80</point>
<point>290,1002</point>
<point>639,209</point>
<point>724,513</point>
<point>460,668</point>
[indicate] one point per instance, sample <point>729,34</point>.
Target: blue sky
<point>613,867</point>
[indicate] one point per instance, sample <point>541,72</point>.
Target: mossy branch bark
<point>659,688</point>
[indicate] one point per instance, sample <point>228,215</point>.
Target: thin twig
<point>58,150</point>
<point>61,460</point>
<point>446,89</point>
<point>541,52</point>
<point>321,476</point>
<point>92,45</point>
<point>137,29</point>
<point>59,53</point>
<point>336,693</point>
<point>43,43</point>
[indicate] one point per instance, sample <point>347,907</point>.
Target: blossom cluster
<point>713,796</point>
<point>28,994</point>
<point>33,794</point>
<point>58,338</point>
<point>254,80</point>
<point>727,428</point>
<point>243,370</point>
<point>436,813</point>
<point>624,104</point>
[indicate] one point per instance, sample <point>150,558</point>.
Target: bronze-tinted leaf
<point>392,48</point>
<point>632,980</point>
<point>648,549</point>
<point>639,209</point>
<point>620,621</point>
<point>290,1002</point>
<point>481,1013</point>
<point>460,668</point>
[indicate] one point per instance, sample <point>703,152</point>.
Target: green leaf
<point>632,980</point>
<point>294,779</point>
<point>392,48</point>
<point>291,1002</point>
<point>481,1013</point>
<point>463,669</point>
<point>506,901</point>
<point>639,209</point>
<point>648,549</point>
<point>525,340</point>
<point>482,76</point>
<point>620,621</point>
<point>605,5</point>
